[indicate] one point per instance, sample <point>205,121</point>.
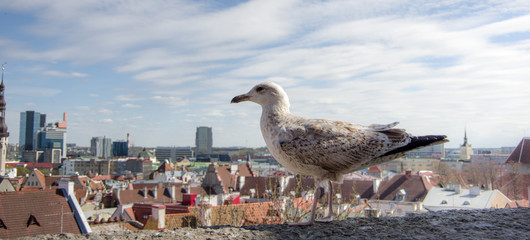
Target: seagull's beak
<point>240,98</point>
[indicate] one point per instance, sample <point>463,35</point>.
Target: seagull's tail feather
<point>415,143</point>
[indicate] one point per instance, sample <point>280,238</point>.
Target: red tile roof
<point>351,188</point>
<point>245,170</point>
<point>260,185</point>
<point>102,177</point>
<point>521,156</point>
<point>137,196</point>
<point>227,180</point>
<point>45,206</point>
<point>375,169</point>
<point>298,185</point>
<point>416,188</point>
<point>157,184</point>
<point>165,167</point>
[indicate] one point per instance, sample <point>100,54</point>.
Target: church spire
<point>465,138</point>
<point>3,126</point>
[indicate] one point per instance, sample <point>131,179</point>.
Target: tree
<point>22,171</point>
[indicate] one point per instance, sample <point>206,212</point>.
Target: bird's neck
<point>274,113</point>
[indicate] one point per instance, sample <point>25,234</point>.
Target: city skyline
<point>158,70</point>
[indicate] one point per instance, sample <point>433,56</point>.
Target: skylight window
<point>2,225</point>
<point>33,221</point>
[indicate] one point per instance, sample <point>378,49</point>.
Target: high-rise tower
<point>3,127</point>
<point>30,123</point>
<point>203,140</point>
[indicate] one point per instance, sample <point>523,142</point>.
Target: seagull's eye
<point>259,89</point>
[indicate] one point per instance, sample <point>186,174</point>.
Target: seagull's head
<point>266,94</point>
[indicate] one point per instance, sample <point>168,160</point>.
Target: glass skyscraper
<point>203,140</point>
<point>30,123</point>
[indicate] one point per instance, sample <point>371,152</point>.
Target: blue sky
<point>159,69</point>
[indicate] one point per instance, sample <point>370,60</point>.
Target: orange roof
<point>302,204</point>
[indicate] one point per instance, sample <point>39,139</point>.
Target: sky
<point>159,69</point>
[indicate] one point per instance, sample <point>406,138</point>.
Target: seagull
<point>326,149</point>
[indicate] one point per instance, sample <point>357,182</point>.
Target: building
<point>30,123</point>
<point>414,164</point>
<point>203,140</point>
<point>173,153</point>
<point>120,148</point>
<point>434,151</point>
<point>458,198</point>
<point>101,147</point>
<point>142,167</point>
<point>465,149</point>
<point>3,128</point>
<point>52,138</point>
<point>106,167</point>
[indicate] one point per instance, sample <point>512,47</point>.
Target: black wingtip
<point>419,142</point>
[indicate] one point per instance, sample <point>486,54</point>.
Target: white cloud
<point>106,120</point>
<point>83,108</point>
<point>105,111</point>
<point>129,105</point>
<point>64,74</point>
<point>171,101</point>
<point>434,66</point>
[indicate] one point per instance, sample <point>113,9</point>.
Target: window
<point>444,202</point>
<point>33,221</point>
<point>2,225</point>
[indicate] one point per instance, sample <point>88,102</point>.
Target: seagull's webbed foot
<point>308,223</point>
<point>325,219</point>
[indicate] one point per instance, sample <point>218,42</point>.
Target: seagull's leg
<point>318,193</point>
<point>329,217</point>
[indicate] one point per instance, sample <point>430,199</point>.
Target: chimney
<point>458,188</point>
<point>408,173</point>
<point>116,192</point>
<point>173,191</point>
<point>159,215</point>
<point>67,186</point>
<point>375,185</point>
<point>145,192</point>
<point>233,169</point>
<point>241,182</point>
<point>155,192</point>
<point>474,190</point>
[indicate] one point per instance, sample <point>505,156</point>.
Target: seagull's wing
<point>339,146</point>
